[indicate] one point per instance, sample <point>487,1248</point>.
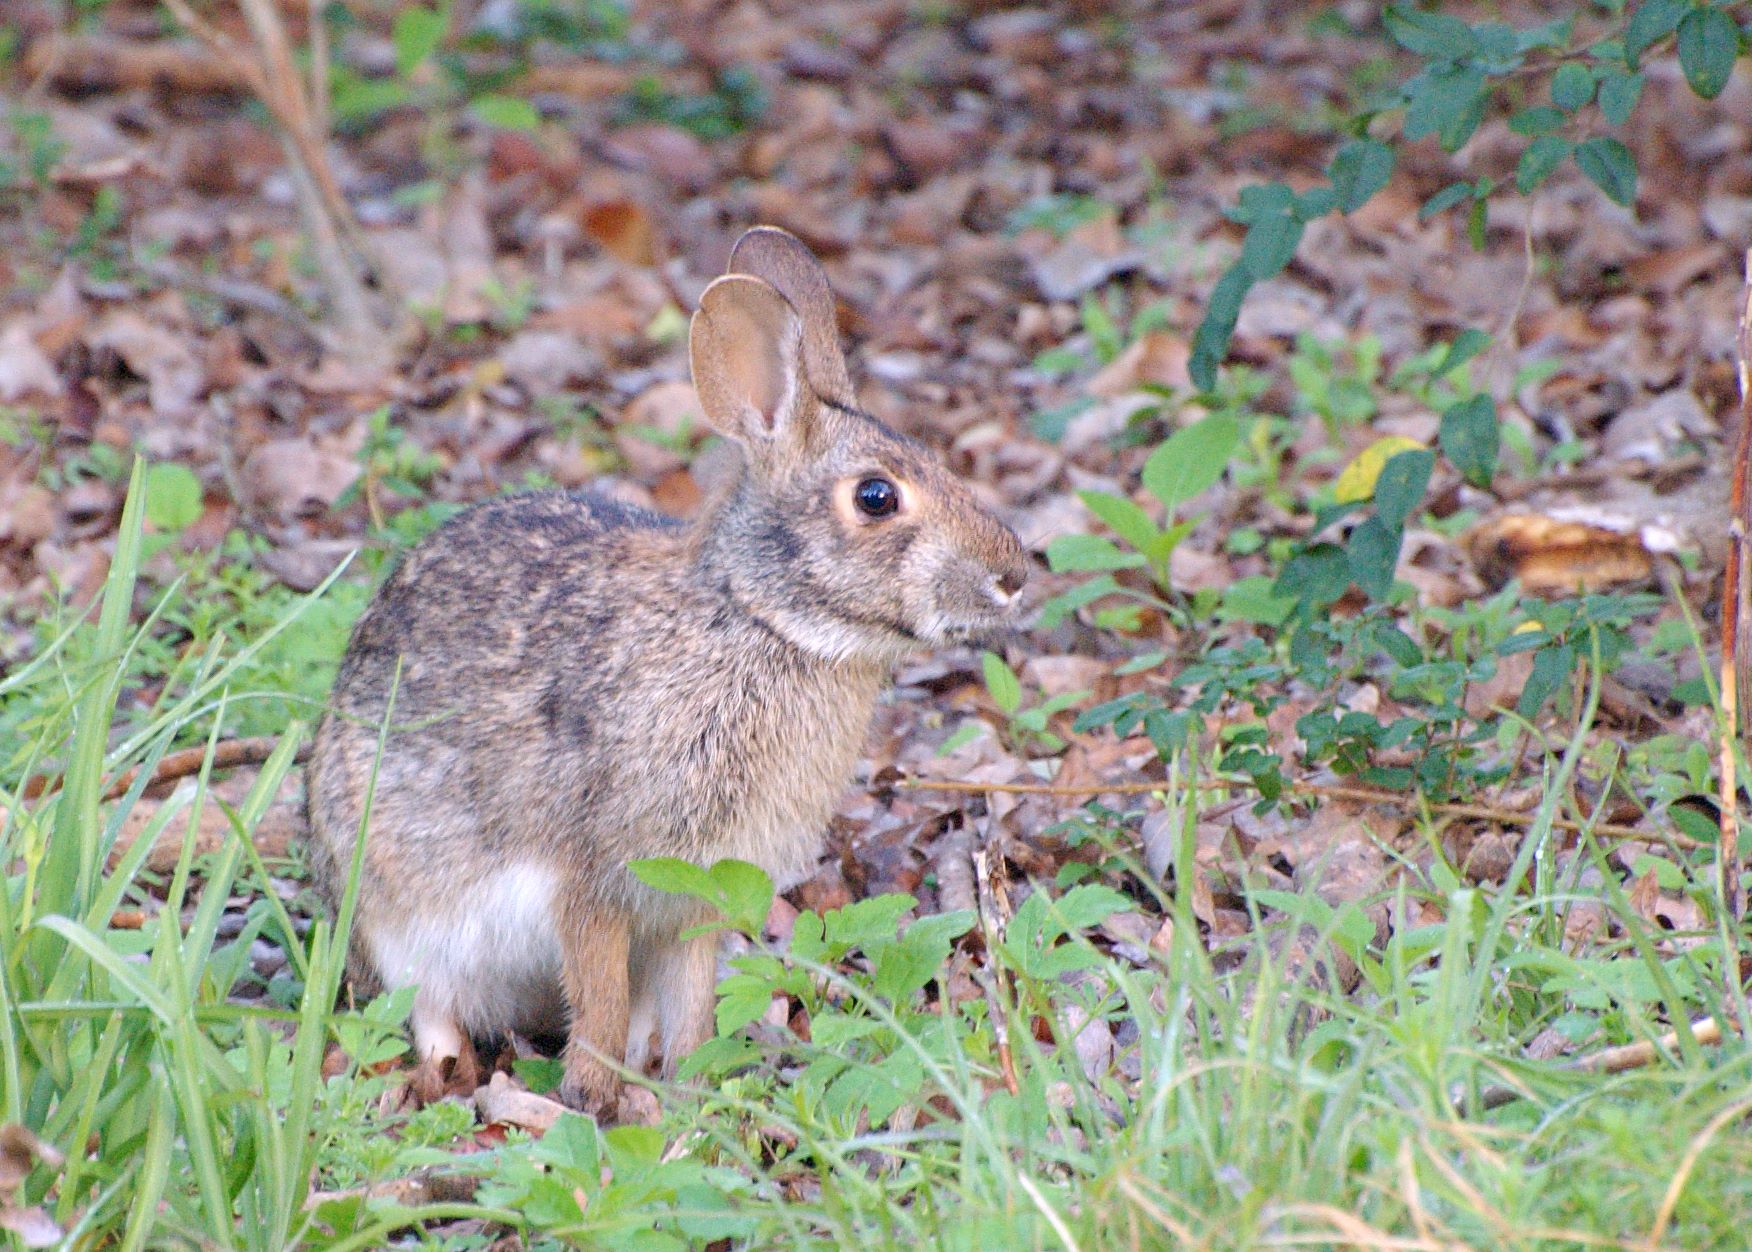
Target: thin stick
<point>990,973</point>
<point>1707,1031</point>
<point>1732,611</point>
<point>1368,795</point>
<point>228,754</point>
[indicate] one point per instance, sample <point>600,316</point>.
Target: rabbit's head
<point>850,540</point>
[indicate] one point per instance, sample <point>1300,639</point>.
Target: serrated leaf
<point>1572,86</point>
<point>1609,166</point>
<point>1088,553</point>
<point>416,35</point>
<point>673,875</point>
<point>1192,459</point>
<point>1357,481</point>
<point>1002,682</point>
<point>1471,438</point>
<point>173,497</point>
<point>1360,169</point>
<point>1540,159</point>
<point>1619,93</point>
<point>506,112</point>
<point>1126,519</point>
<point>1401,486</point>
<point>1709,41</point>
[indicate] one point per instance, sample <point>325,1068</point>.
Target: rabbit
<point>578,683</point>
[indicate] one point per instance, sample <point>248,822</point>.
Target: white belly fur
<point>487,963</point>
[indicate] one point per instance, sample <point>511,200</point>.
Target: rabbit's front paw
<point>589,1086</point>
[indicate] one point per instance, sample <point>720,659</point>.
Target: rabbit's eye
<point>877,497</point>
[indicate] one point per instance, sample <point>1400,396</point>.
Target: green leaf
<point>1429,34</point>
<point>1358,170</point>
<point>1316,576</point>
<point>1551,667</point>
<point>1373,550</point>
<point>1539,120</point>
<point>1542,156</point>
<point>673,875</point>
<point>1572,86</point>
<point>1691,822</point>
<point>740,891</point>
<point>1128,521</point>
<point>1211,341</point>
<point>1255,599</point>
<point>1002,682</point>
<point>173,497</point>
<point>1088,552</point>
<point>1651,21</point>
<point>1400,488</point>
<point>1273,228</point>
<point>506,112</point>
<point>1445,199</point>
<point>1471,438</point>
<point>1467,344</point>
<point>1447,102</point>
<point>1191,459</point>
<point>1619,93</point>
<point>1610,166</point>
<point>416,35</point>
<point>744,893</point>
<point>1708,44</point>
<point>1065,603</point>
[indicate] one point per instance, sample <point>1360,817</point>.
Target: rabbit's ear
<point>786,262</point>
<point>745,348</point>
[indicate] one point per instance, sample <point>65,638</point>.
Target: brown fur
<point>583,684</point>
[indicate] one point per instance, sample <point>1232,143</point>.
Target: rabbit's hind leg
<point>593,972</point>
<point>671,987</point>
<point>442,1046</point>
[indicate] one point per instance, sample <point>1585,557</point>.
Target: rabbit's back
<point>569,691</point>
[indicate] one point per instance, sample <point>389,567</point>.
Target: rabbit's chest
<point>760,776</point>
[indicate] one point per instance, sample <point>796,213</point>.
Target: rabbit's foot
<point>590,1086</point>
<point>438,1076</point>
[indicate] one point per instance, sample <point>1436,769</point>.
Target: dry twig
<point>1733,610</point>
<point>1706,1031</point>
<point>227,754</point>
<point>1328,791</point>
<point>339,245</point>
<point>991,974</point>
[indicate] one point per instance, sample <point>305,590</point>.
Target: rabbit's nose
<point>1012,580</point>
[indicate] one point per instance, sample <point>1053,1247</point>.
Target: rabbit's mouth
<point>977,635</point>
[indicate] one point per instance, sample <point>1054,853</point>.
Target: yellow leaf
<point>1358,480</point>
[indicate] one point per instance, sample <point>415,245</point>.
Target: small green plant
<point>735,100</point>
<point>1027,727</point>
<point>1340,397</point>
<point>31,150</point>
<point>1185,465</point>
<point>511,304</point>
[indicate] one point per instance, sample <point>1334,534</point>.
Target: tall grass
<point>184,1118</point>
